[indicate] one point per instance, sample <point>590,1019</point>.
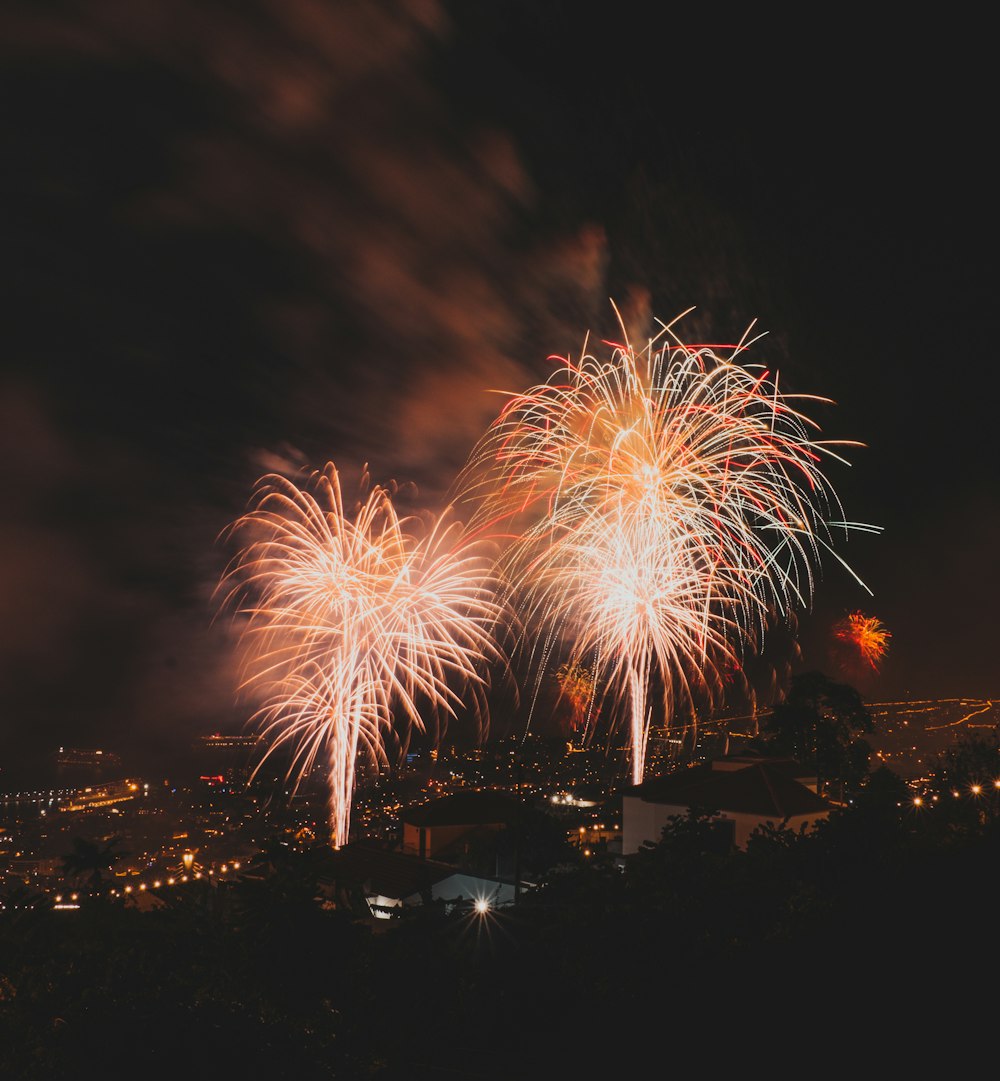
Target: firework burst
<point>654,507</point>
<point>576,687</point>
<point>354,622</point>
<point>861,639</point>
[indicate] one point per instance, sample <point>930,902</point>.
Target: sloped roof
<point>464,809</point>
<point>391,874</point>
<point>752,758</point>
<point>764,789</point>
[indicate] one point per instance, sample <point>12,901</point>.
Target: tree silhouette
<point>964,781</point>
<point>91,860</point>
<point>820,724</point>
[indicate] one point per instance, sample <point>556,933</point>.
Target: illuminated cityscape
<point>516,860</point>
<point>212,821</point>
<point>500,516</point>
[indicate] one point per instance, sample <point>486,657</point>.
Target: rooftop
<point>766,788</point>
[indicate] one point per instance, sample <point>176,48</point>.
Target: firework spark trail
<point>355,620</point>
<point>654,508</point>
<point>865,636</point>
<point>631,594</point>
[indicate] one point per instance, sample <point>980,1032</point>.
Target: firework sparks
<point>655,507</point>
<point>864,637</point>
<point>355,621</point>
<point>576,686</point>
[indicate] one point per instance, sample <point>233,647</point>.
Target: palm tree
<point>89,861</point>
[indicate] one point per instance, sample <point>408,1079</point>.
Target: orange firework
<point>865,636</point>
<point>654,509</point>
<point>576,685</point>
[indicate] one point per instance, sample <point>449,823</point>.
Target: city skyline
<point>908,735</point>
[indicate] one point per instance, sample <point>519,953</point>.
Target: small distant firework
<point>354,620</point>
<point>576,686</point>
<point>862,639</point>
<point>655,508</point>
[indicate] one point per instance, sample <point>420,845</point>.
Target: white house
<point>745,792</point>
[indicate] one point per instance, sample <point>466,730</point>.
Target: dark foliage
<point>803,940</point>
<point>821,723</point>
<point>90,861</point>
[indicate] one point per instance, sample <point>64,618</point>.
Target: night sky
<point>240,237</point>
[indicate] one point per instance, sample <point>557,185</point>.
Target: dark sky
<point>240,236</point>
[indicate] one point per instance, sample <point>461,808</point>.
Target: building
<point>445,827</point>
<point>391,882</point>
<point>742,792</point>
<point>98,796</point>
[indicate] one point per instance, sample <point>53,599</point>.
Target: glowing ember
<point>865,638</point>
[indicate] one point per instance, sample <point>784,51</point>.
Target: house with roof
<point>442,839</point>
<point>447,827</point>
<point>744,793</point>
<point>391,881</point>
